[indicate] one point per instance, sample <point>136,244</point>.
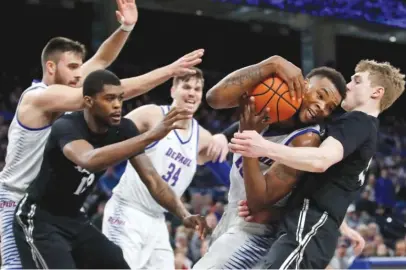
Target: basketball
<point>273,93</point>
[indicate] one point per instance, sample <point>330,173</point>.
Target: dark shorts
<point>47,241</point>
<point>307,239</point>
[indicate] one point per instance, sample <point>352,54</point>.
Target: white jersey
<point>237,187</point>
<point>24,152</point>
<point>175,160</point>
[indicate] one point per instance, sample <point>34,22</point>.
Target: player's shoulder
<point>30,94</point>
<point>306,136</point>
<point>70,120</point>
<point>151,111</point>
<point>357,119</point>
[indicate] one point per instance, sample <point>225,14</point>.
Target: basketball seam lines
<point>274,92</point>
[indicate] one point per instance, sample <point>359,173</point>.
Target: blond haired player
<point>308,232</point>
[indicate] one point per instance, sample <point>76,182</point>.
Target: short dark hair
<point>60,45</point>
<point>95,82</point>
<point>198,75</point>
<point>333,75</point>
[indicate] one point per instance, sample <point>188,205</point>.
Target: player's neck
<point>93,124</point>
<point>369,109</point>
<point>47,80</point>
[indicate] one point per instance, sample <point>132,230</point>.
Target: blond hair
<point>198,75</point>
<point>385,75</point>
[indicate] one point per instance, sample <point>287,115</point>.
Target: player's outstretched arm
<point>164,195</point>
<point>127,15</point>
<point>211,147</point>
<point>346,134</point>
<point>226,93</point>
<point>82,153</point>
<point>139,85</point>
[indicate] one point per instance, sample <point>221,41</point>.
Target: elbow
<point>320,166</point>
<point>213,100</point>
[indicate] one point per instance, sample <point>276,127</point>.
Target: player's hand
<point>292,75</point>
<point>198,223</point>
<point>217,149</point>
<point>263,217</point>
<point>170,122</point>
<point>249,120</point>
<point>358,242</point>
<point>249,143</point>
<point>127,12</point>
<point>183,66</point>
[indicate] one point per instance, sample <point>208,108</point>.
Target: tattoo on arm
<point>251,74</point>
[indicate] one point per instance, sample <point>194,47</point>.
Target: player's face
<point>319,101</point>
<point>359,90</point>
<point>188,94</point>
<point>107,105</point>
<point>67,71</point>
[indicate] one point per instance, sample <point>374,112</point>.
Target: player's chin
<point>114,121</point>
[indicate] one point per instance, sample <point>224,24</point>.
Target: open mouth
<point>312,114</point>
<point>116,116</point>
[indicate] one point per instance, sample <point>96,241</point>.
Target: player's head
<point>61,61</point>
<point>327,88</point>
<point>103,95</point>
<point>374,86</point>
<point>187,91</point>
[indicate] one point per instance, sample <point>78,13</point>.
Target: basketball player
<point>308,232</point>
<point>50,230</point>
<point>132,218</point>
<point>242,245</point>
<point>44,102</point>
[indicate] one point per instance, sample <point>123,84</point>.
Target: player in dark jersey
<point>50,229</point>
<point>309,229</point>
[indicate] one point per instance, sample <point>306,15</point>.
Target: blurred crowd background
<point>234,34</point>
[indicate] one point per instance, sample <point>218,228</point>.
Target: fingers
<point>194,53</point>
<point>242,203</point>
<point>120,17</point>
<point>223,154</point>
<point>303,86</point>
<point>249,219</point>
<point>192,63</point>
<point>291,87</point>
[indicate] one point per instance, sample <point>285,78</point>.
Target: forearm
<point>344,228</point>
<point>139,85</point>
<point>101,158</point>
<point>167,198</point>
<point>255,185</point>
<point>107,52</point>
<point>226,93</point>
<point>309,159</point>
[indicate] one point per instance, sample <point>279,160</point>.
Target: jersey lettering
<point>361,177</point>
<point>85,182</point>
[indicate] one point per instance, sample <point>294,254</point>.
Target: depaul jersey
<point>237,186</point>
<point>175,160</point>
<point>24,152</point>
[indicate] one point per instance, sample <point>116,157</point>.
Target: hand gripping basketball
<point>273,94</point>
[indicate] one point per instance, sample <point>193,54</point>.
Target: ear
<point>88,101</point>
<point>50,67</point>
<point>378,92</point>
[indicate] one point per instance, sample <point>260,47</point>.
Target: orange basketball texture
<point>274,94</point>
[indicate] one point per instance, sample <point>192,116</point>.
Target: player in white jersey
<point>239,244</point>
<point>45,101</point>
<point>132,218</point>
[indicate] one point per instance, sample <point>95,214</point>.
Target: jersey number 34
<point>172,175</point>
